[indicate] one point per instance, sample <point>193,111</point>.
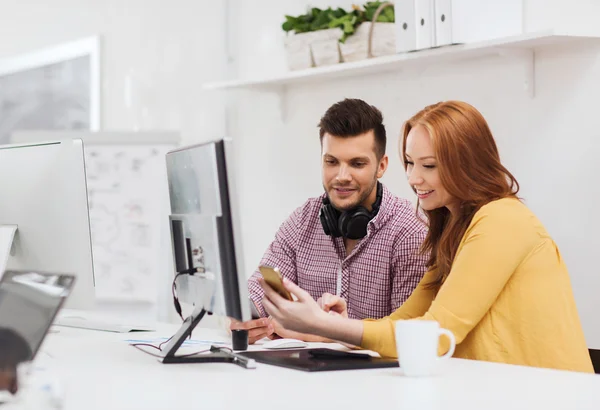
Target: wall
<point>155,56</point>
<point>550,141</point>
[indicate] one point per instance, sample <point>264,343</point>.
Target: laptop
<point>29,302</point>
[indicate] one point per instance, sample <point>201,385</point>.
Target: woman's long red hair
<point>470,170</point>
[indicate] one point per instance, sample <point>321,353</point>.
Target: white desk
<point>99,370</point>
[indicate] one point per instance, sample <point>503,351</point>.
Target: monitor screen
<point>29,301</point>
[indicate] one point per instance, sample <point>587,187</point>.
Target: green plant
<point>387,14</point>
<point>315,19</point>
<point>318,19</point>
<point>348,23</point>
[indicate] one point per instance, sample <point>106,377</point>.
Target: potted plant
<point>327,36</point>
<point>311,41</point>
<point>373,35</point>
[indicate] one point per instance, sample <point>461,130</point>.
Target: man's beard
<point>360,201</point>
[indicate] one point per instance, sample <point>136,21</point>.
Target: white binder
<point>425,21</point>
<point>443,22</point>
<point>481,20</point>
<point>406,35</point>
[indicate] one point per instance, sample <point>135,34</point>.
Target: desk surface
<point>99,370</point>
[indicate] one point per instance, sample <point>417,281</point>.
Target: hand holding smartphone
<point>274,279</point>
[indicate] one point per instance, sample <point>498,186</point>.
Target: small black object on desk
<point>239,339</point>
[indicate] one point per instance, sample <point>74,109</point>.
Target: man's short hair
<point>352,117</point>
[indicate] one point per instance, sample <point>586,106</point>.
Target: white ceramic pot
<point>312,49</point>
<point>383,43</point>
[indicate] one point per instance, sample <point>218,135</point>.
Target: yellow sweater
<point>507,299</point>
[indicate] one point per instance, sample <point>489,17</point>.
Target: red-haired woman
<point>495,279</point>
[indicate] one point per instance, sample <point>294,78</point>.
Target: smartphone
<point>273,278</point>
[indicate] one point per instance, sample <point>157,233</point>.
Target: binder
<point>481,20</point>
<point>406,36</point>
<point>443,22</point>
<point>425,21</point>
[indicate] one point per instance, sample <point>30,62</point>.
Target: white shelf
<point>522,46</point>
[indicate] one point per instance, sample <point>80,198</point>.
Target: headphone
<point>351,224</point>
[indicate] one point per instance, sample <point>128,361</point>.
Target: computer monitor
<point>44,194</point>
<point>204,229</point>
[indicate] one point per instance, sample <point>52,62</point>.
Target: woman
<point>495,277</point>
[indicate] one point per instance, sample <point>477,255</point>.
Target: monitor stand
<point>218,355</point>
<point>7,236</point>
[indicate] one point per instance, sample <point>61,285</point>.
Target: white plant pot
<point>326,47</point>
<point>297,51</point>
<point>312,49</point>
<point>383,42</point>
<point>326,52</point>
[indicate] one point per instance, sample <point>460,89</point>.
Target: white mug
<point>417,346</point>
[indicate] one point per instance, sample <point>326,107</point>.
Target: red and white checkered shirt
<point>375,279</point>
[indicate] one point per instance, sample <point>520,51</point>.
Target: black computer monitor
<point>204,229</point>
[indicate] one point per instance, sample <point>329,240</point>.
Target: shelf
<point>522,46</point>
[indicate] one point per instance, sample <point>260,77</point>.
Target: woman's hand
<point>333,304</point>
<point>290,334</point>
<point>303,315</point>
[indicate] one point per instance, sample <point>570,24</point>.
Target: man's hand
<point>333,304</point>
<point>257,328</point>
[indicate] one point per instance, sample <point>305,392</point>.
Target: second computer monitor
<point>204,230</point>
<point>44,193</point>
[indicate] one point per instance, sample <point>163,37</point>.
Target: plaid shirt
<point>375,279</point>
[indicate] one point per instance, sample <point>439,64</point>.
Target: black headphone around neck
<point>351,224</point>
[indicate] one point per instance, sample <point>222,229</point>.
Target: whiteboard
<point>128,205</point>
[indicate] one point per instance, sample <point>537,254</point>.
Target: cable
<point>166,341</point>
<point>137,346</point>
<point>159,348</point>
<point>178,308</point>
<point>175,298</point>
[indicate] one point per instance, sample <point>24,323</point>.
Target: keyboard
<point>103,325</point>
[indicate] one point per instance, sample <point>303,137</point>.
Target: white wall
<point>155,56</point>
<point>550,142</point>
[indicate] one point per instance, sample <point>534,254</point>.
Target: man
<point>357,240</point>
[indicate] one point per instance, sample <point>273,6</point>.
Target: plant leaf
<point>339,12</point>
<point>348,27</point>
<point>389,13</point>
